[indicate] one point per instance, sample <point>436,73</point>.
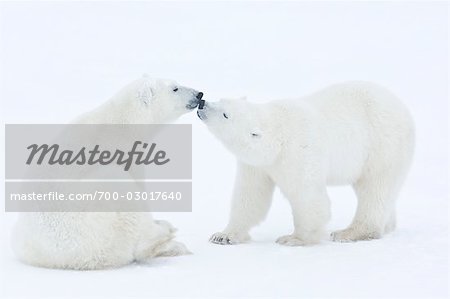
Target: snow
<point>58,60</point>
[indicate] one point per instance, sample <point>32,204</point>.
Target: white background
<point>61,59</point>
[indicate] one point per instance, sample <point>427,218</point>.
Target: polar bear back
<point>349,122</point>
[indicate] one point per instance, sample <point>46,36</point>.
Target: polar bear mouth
<point>197,102</point>
<point>201,114</point>
<point>192,105</point>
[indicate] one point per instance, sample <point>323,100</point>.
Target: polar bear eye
<point>175,89</point>
<point>225,115</point>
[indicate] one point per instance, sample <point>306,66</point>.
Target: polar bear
<point>353,133</point>
<point>145,101</point>
<point>87,241</point>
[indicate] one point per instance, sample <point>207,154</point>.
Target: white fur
<point>354,133</point>
<point>88,241</point>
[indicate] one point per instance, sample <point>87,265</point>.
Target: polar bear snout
<point>201,113</point>
<point>201,104</point>
<point>203,109</point>
<point>196,101</point>
<point>210,111</point>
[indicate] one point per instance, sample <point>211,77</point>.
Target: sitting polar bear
<point>351,133</point>
<point>86,241</point>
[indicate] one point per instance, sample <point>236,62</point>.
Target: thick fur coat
<point>86,241</point>
<point>354,133</point>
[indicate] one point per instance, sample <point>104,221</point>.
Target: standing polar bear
<point>86,241</point>
<point>353,133</point>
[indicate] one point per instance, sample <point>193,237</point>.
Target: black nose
<point>201,104</point>
<point>199,95</point>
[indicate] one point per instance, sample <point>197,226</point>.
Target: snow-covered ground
<point>58,60</point>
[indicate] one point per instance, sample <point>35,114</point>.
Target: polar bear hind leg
<point>377,191</point>
<point>376,208</point>
<point>391,131</point>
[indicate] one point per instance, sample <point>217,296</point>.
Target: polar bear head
<point>246,129</point>
<point>149,100</point>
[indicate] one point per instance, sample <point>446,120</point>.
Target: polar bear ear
<point>145,92</point>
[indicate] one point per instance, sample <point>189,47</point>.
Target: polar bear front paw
<point>229,238</point>
<point>293,240</point>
